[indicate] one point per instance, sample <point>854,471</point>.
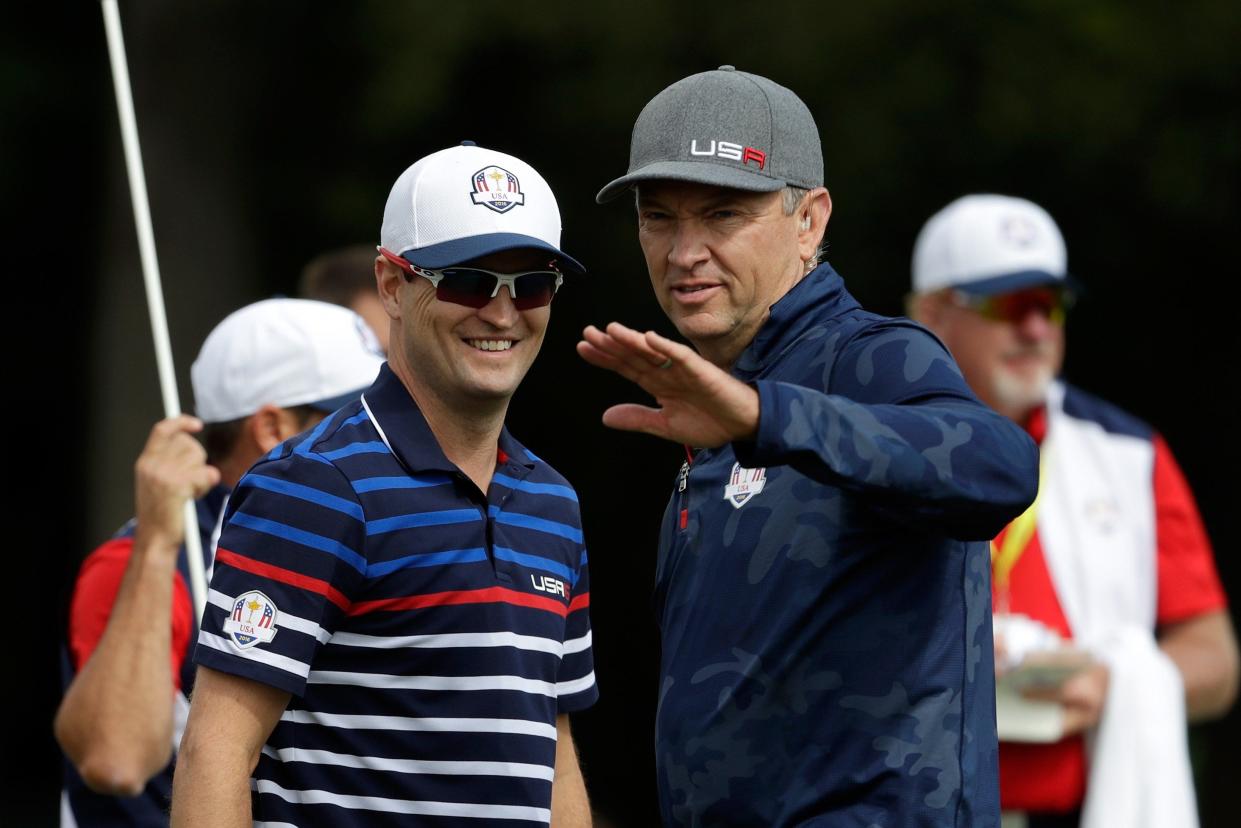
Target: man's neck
<point>468,431</point>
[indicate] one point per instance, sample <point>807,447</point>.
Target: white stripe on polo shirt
<point>443,640</point>
<point>403,806</point>
<point>577,645</point>
<point>452,683</point>
<point>276,660</point>
<point>441,767</point>
<point>360,721</point>
<point>284,620</point>
<point>568,688</point>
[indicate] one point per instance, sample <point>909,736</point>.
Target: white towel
<point>1139,773</point>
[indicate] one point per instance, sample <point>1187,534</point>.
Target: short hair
<point>338,276</point>
<point>219,439</point>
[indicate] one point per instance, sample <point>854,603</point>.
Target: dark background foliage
<point>272,131</point>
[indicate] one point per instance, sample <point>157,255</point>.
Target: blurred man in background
<point>346,277</point>
<point>265,373</point>
<point>1111,561</point>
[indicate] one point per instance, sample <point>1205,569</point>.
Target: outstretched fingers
<point>634,417</point>
<point>622,350</point>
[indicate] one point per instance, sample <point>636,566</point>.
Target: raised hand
<point>699,404</point>
<point>171,470</point>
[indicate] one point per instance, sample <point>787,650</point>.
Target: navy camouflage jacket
<point>823,592</point>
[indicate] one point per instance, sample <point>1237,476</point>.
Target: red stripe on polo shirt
<point>579,602</point>
<point>286,576</point>
<point>490,595</point>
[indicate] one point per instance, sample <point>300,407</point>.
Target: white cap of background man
<point>284,352</point>
<point>989,244</point>
<point>465,202</point>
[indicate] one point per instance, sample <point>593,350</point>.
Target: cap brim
<point>698,172</point>
<point>1009,282</point>
<point>456,251</point>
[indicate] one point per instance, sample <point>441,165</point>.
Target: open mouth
<point>490,344</point>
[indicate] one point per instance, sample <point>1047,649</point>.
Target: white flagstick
<point>150,275</point>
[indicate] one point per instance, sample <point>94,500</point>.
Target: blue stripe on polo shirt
<point>536,562</point>
<point>451,556</point>
<point>311,455</point>
<point>582,563</point>
<point>418,519</point>
<point>304,448</point>
<point>381,484</point>
<point>301,492</point>
<point>536,488</point>
<point>551,527</point>
<point>300,536</point>
<point>373,447</point>
<point>360,417</point>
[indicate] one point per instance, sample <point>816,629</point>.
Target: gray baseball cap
<point>725,128</point>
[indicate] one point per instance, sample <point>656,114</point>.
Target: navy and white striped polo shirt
<point>429,634</point>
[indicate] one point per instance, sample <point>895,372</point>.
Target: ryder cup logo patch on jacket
<point>744,484</point>
<point>497,188</point>
<point>253,620</point>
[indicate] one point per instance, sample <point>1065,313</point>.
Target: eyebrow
<point>742,198</point>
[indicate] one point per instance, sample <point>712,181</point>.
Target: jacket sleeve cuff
<point>765,448</point>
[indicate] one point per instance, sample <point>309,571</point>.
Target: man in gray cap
<point>822,581</point>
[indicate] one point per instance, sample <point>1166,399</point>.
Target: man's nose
<point>689,246</point>
<point>500,311</point>
<point>1036,324</point>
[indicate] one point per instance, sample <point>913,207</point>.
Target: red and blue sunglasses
<point>1050,301</point>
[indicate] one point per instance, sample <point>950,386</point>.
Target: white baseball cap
<point>285,352</point>
<point>464,202</point>
<point>989,244</point>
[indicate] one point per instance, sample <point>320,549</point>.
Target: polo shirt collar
<point>819,295</point>
<point>397,415</point>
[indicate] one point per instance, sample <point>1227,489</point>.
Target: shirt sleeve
<point>575,680</point>
<point>289,560</point>
<point>898,424</point>
<point>94,594</point>
<point>1188,582</point>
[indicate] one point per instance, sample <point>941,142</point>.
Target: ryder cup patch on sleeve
<point>253,620</point>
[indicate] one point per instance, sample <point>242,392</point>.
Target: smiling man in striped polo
<point>398,621</point>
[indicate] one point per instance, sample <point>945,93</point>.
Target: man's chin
<point>1021,392</point>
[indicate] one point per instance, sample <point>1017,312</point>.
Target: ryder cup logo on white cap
<point>989,244</point>
<point>498,189</point>
<point>464,202</point>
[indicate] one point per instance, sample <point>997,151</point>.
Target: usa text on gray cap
<point>726,128</point>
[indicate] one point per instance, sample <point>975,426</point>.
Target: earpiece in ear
<point>805,222</point>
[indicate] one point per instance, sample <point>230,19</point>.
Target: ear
<point>925,308</point>
<point>270,426</point>
<point>388,280</point>
<point>812,216</point>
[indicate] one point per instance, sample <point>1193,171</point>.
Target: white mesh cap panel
<point>979,237</point>
<point>440,199</point>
